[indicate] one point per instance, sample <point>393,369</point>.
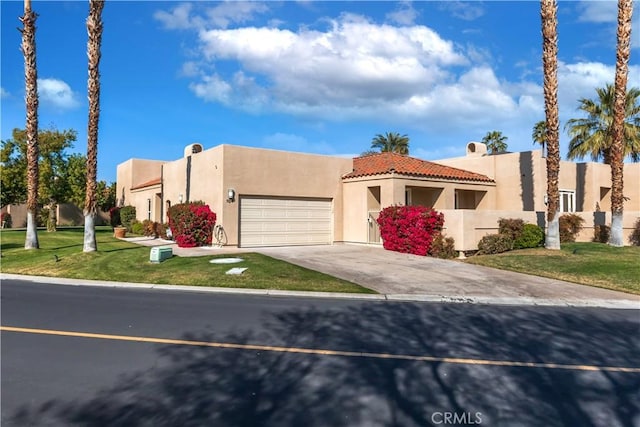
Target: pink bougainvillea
<point>192,224</point>
<point>409,229</point>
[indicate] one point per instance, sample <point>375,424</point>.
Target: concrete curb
<point>455,299</point>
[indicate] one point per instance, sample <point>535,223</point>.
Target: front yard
<point>594,264</point>
<point>60,255</point>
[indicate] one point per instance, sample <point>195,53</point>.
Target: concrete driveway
<point>401,275</point>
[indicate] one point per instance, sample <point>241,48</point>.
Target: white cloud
<point>179,18</point>
<point>606,12</point>
<point>4,93</point>
<point>597,11</point>
<point>405,76</point>
<point>57,93</point>
<point>230,12</point>
<point>213,88</point>
<point>353,63</point>
<point>465,10</point>
<point>405,14</point>
<point>220,16</point>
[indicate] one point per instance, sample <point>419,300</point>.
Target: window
<point>149,209</point>
<point>407,197</point>
<point>567,201</point>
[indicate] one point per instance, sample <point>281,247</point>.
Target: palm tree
<point>618,137</point>
<point>94,30</point>
<point>31,100</point>
<point>391,142</point>
<point>496,142</point>
<point>539,134</point>
<point>592,136</point>
<point>548,10</point>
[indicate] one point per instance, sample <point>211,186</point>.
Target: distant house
<point>274,198</point>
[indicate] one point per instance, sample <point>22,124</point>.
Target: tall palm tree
<point>625,11</point>
<point>31,100</point>
<point>548,14</point>
<point>391,142</point>
<point>496,142</point>
<point>592,136</point>
<point>539,134</point>
<point>94,30</point>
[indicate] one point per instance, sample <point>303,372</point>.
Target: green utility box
<point>160,254</point>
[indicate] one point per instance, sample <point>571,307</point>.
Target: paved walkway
<point>411,277</point>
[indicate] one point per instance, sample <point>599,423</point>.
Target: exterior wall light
<point>180,198</point>
<point>231,195</point>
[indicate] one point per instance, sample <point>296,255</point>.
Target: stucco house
<point>273,198</point>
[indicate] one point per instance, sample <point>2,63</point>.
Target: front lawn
<point>594,264</point>
<point>60,255</point>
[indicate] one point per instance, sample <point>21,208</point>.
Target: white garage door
<point>284,222</point>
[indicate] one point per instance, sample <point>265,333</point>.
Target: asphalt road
<point>165,358</point>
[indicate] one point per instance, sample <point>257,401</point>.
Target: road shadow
<point>198,386</point>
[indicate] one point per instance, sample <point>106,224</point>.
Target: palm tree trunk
<point>94,30</point>
<point>548,9</point>
<point>31,100</point>
<point>625,10</point>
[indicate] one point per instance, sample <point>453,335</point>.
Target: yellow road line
<point>454,360</point>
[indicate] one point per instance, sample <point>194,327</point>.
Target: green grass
<point>127,262</point>
<point>594,264</point>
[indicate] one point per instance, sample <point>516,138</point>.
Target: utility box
<point>160,254</point>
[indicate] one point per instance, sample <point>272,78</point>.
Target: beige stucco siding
<point>257,172</point>
<point>133,173</point>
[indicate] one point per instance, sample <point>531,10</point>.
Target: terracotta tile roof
<point>383,163</point>
<point>155,181</point>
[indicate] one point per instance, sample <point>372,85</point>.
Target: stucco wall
<point>132,173</point>
<point>258,172</point>
<point>521,180</point>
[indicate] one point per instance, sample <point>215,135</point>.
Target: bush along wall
<point>513,233</point>
<point>409,229</point>
<point>192,224</point>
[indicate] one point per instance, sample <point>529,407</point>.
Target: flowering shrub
<point>409,229</point>
<point>192,224</point>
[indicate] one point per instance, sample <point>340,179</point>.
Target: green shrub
<point>127,216</point>
<point>634,239</point>
<point>601,233</point>
<point>137,227</point>
<point>531,236</point>
<point>494,244</point>
<point>512,227</point>
<point>570,226</point>
<point>443,247</point>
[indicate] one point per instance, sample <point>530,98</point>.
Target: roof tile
<point>151,183</point>
<point>384,163</point>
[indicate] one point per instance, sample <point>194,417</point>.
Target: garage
<point>271,221</point>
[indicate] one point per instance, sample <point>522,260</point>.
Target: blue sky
<point>317,77</point>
